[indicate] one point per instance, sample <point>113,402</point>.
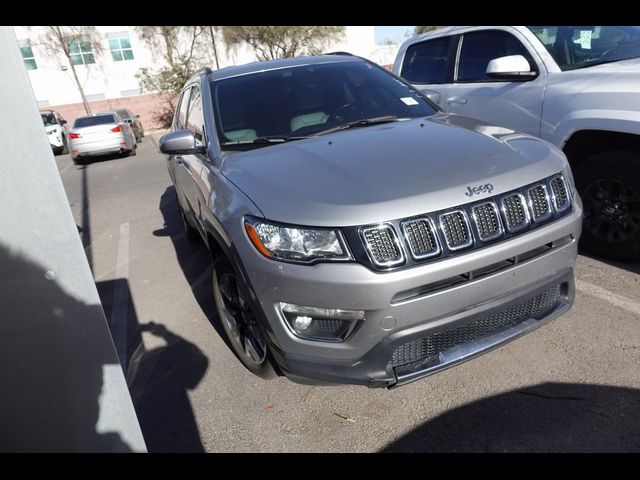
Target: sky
<point>395,34</point>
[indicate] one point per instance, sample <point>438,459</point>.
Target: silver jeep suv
<point>358,233</point>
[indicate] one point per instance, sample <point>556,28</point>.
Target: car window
<point>181,122</point>
<point>479,48</point>
<point>95,120</point>
<point>49,119</point>
<point>575,47</point>
<point>426,62</point>
<point>195,117</point>
<point>308,99</point>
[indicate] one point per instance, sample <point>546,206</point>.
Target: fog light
<point>323,324</point>
<point>302,323</point>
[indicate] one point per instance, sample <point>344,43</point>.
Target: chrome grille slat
<point>515,212</point>
<point>539,202</point>
<point>383,246</point>
<point>487,220</point>
<point>456,231</point>
<point>421,236</point>
<point>559,193</point>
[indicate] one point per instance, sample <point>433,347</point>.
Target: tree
<point>65,40</point>
<point>425,29</point>
<point>178,46</point>
<point>271,42</point>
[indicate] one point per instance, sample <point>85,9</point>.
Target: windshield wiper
<point>365,122</point>
<point>271,140</point>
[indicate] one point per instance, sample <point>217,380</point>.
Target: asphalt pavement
<point>573,385</point>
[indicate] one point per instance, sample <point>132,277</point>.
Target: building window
<point>27,55</point>
<point>120,47</point>
<point>81,52</point>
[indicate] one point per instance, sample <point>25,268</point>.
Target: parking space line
<point>613,298</point>
<point>120,305</point>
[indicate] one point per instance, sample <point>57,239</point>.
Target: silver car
<point>358,233</point>
<point>100,134</point>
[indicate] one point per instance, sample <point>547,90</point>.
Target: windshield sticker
<point>585,39</point>
<point>409,101</point>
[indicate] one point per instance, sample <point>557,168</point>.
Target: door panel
<point>512,104</point>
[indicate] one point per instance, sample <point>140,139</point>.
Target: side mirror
<point>63,121</point>
<point>431,95</point>
<point>129,121</point>
<point>180,142</point>
<point>512,67</point>
<point>137,116</point>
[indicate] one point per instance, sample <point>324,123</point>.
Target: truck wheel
<point>609,184</point>
<point>239,321</point>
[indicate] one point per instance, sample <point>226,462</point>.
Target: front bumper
<point>393,317</point>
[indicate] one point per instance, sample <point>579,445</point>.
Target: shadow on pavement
<point>194,259</point>
<point>550,417</point>
<point>159,379</point>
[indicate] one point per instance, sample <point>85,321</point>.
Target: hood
<point>383,172</point>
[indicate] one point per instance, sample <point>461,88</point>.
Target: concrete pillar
<point>62,388</point>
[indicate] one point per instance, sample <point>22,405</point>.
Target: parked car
<point>100,134</point>
<point>134,121</point>
<point>358,233</point>
<point>56,129</point>
<point>577,87</point>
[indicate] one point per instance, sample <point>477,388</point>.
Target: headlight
<point>55,130</point>
<point>296,244</point>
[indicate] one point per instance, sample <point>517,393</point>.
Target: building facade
<point>109,77</point>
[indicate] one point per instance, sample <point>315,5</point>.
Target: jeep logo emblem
<point>486,188</point>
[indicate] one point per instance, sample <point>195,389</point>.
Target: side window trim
<point>448,65</point>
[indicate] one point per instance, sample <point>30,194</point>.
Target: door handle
<point>456,100</point>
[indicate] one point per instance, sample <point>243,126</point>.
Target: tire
<point>191,233</point>
<point>77,161</point>
<point>609,184</point>
<point>65,145</point>
<point>238,318</point>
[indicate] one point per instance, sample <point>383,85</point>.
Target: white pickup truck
<point>577,87</point>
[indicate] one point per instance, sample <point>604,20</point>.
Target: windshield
<point>123,114</point>
<point>95,120</point>
<point>300,101</point>
<point>49,119</point>
<point>580,47</point>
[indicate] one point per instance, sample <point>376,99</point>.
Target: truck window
<point>426,62</point>
<point>479,48</point>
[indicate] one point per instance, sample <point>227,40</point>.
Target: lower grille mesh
<point>424,351</point>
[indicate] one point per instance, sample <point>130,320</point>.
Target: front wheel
<point>239,320</point>
<point>609,184</point>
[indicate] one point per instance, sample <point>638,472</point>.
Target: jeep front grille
<point>515,212</point>
<point>423,352</point>
<point>539,202</point>
<point>487,220</point>
<point>383,245</point>
<point>560,195</point>
<point>439,234</point>
<point>421,237</point>
<point>455,228</point>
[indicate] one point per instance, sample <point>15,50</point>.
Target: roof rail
<point>339,53</point>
